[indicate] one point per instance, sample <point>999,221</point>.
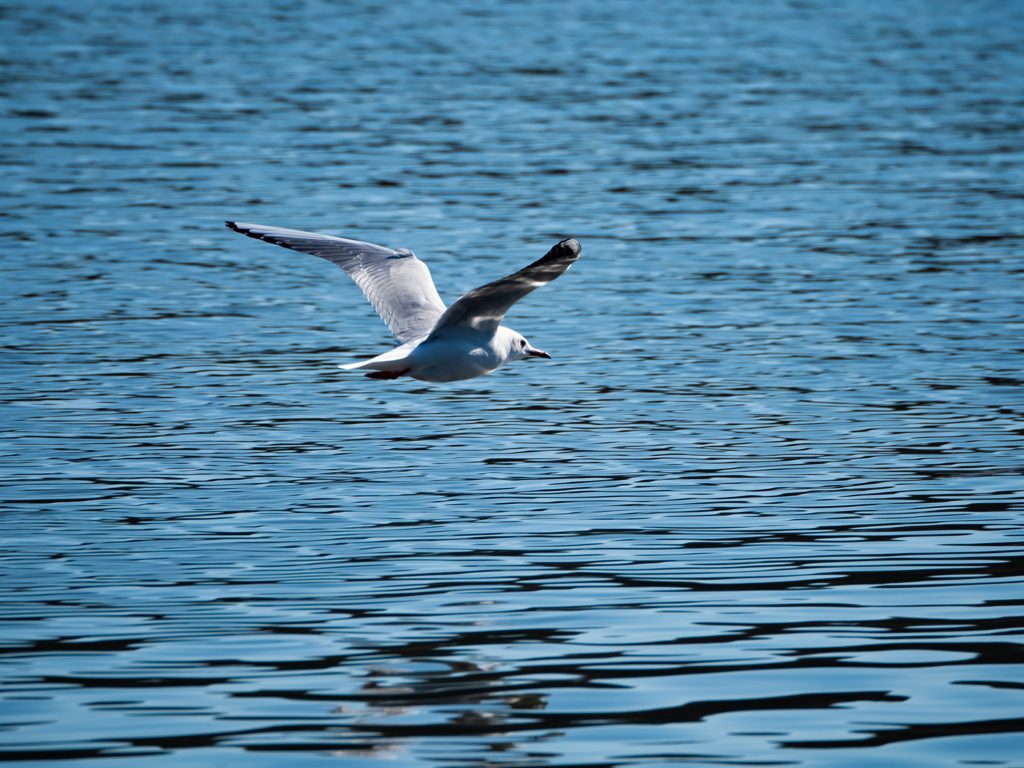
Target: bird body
<point>436,343</point>
<point>460,353</point>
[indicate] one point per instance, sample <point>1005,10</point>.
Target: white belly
<point>464,356</point>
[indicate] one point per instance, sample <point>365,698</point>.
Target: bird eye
<point>522,344</point>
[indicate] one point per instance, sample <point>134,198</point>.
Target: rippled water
<point>764,507</point>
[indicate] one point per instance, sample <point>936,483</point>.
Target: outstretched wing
<point>484,307</point>
<point>397,284</point>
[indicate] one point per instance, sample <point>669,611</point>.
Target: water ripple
<point>762,508</point>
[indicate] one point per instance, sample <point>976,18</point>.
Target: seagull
<point>435,343</point>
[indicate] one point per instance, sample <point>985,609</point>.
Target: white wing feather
<point>483,308</point>
<point>397,284</point>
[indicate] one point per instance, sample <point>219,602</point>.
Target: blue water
<point>765,506</point>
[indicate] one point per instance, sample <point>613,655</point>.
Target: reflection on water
<point>762,508</point>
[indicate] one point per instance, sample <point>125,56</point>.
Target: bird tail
<point>393,360</point>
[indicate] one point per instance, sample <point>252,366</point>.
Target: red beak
<point>538,353</point>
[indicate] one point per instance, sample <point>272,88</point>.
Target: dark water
<point>763,508</point>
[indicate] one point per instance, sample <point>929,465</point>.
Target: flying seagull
<point>436,343</point>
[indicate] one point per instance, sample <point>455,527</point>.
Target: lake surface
<point>765,506</point>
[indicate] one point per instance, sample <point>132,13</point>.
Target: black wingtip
<point>254,235</point>
<point>564,250</point>
<point>572,245</point>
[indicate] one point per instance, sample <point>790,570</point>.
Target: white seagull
<point>436,343</point>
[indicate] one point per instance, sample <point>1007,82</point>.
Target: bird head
<point>522,349</point>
